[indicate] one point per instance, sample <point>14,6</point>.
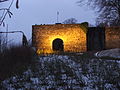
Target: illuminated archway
<point>57,45</point>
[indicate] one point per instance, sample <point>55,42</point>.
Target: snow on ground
<point>115,53</point>
<point>60,72</point>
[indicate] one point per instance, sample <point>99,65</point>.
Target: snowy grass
<point>73,71</point>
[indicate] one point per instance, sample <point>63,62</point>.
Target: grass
<point>108,58</point>
<point>99,72</point>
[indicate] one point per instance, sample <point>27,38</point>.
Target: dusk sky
<point>33,12</point>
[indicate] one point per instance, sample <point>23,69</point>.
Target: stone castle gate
<point>59,37</point>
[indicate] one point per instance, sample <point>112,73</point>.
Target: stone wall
<point>73,36</point>
<point>96,38</point>
<point>112,39</point>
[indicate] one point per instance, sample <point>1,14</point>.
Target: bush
<point>15,60</point>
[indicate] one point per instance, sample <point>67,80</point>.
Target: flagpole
<point>57,17</point>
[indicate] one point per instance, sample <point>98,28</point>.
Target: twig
<point>3,17</point>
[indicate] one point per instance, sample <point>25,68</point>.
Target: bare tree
<point>6,11</point>
<point>3,0</point>
<point>70,21</point>
<point>108,10</point>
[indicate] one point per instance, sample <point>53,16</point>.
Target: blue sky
<point>45,12</point>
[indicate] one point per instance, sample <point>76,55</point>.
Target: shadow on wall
<point>96,38</point>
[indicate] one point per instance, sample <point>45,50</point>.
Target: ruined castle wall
<point>96,38</point>
<point>74,38</point>
<point>112,37</point>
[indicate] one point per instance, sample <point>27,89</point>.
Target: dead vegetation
<point>14,60</point>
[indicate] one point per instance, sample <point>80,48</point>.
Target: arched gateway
<point>57,45</point>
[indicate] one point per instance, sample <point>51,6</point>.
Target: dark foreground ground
<point>69,71</point>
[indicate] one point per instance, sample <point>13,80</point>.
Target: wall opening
<point>57,45</point>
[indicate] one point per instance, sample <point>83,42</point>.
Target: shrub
<point>15,60</point>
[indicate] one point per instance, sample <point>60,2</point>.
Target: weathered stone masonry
<point>112,39</point>
<point>99,38</point>
<point>74,38</point>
